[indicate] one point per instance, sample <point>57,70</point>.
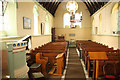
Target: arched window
<point>66,20</point>
<point>1,17</point>
<point>36,14</point>
<point>47,27</point>
<point>100,24</point>
<point>78,19</point>
<point>93,26</point>
<point>114,18</point>
<point>3,6</point>
<point>76,22</point>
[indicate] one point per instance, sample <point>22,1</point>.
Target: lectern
<point>96,56</point>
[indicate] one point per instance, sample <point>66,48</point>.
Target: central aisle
<point>74,68</point>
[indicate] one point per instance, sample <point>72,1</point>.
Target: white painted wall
<point>105,32</point>
<point>10,20</point>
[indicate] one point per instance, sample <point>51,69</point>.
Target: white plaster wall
<point>106,35</point>
<point>40,40</point>
<point>80,33</point>
<point>111,41</point>
<point>25,9</point>
<point>106,27</point>
<point>10,20</point>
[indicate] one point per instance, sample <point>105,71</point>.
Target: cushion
<point>110,76</point>
<point>118,75</point>
<point>91,61</point>
<point>99,61</point>
<point>111,61</point>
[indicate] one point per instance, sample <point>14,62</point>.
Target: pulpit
<point>17,60</point>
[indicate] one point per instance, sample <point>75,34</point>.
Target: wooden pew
<point>51,50</point>
<point>89,46</point>
<point>50,54</point>
<point>112,58</point>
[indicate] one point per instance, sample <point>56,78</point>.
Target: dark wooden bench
<point>51,50</point>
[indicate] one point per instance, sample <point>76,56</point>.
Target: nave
<point>73,69</point>
<point>60,39</point>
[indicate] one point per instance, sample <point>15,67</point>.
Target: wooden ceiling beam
<point>50,6</point>
<point>47,6</point>
<point>55,5</point>
<point>91,7</point>
<point>88,8</point>
<point>56,8</point>
<point>100,3</point>
<point>97,5</point>
<point>44,4</point>
<point>41,3</point>
<point>94,7</point>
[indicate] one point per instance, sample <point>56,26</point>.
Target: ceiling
<point>92,5</point>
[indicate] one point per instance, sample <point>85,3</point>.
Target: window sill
<point>113,35</point>
<point>9,37</point>
<point>41,35</point>
<point>15,37</point>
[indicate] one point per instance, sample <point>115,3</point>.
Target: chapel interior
<point>60,39</point>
